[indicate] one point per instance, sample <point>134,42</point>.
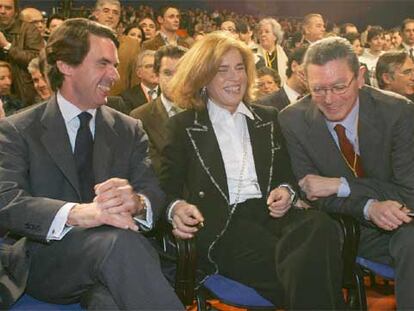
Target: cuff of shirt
<point>145,224</point>
<point>58,228</point>
<point>170,210</point>
<point>367,207</point>
<point>343,191</point>
<point>293,196</point>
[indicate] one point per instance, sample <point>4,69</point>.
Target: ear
<point>294,66</point>
<point>361,76</point>
<point>64,68</point>
<point>160,20</point>
<point>387,78</point>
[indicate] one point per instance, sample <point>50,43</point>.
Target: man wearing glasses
<point>352,150</point>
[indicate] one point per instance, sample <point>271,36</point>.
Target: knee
<point>402,242</point>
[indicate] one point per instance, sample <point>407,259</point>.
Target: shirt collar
<point>70,111</point>
<point>167,103</point>
<point>350,122</point>
<point>218,113</point>
<point>407,47</point>
<point>291,93</point>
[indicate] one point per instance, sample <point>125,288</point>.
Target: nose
<point>114,74</point>
<point>42,83</point>
<point>328,96</point>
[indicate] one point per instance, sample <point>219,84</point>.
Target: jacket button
<point>201,194</point>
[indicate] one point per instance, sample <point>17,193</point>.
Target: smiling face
<point>229,85</point>
<point>335,73</point>
<point>40,85</point>
<point>402,80</point>
<point>108,15</point>
<point>5,80</point>
<point>88,84</point>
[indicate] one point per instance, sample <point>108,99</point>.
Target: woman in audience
<point>227,175</point>
<point>136,32</point>
<point>270,38</point>
<point>8,102</point>
<point>268,81</point>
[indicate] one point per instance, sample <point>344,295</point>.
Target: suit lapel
<point>106,140</point>
<point>56,141</point>
<point>369,133</point>
<point>263,148</point>
<point>206,147</point>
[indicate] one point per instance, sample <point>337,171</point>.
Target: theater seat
<point>29,303</point>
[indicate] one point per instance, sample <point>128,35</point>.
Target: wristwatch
<point>293,195</point>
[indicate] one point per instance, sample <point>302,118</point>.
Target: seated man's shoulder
<point>387,100</point>
<point>26,117</point>
<point>140,111</point>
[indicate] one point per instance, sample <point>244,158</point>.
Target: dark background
<point>387,13</point>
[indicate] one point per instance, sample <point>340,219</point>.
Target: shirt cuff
<point>367,207</point>
<point>293,196</point>
<point>170,210</point>
<point>343,191</point>
<point>145,224</point>
<point>58,228</point>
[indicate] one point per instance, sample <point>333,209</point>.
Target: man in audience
<point>229,26</point>
<point>395,72</point>
<point>76,191</point>
<point>149,27</point>
<point>147,90</point>
<point>154,115</point>
<point>35,17</point>
<point>396,37</point>
<point>352,150</point>
<point>169,20</point>
<point>407,31</point>
<point>39,81</point>
<point>53,22</point>
<point>20,42</point>
<point>108,13</point>
<point>313,27</point>
<point>295,86</point>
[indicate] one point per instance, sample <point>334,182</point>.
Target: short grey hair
<point>332,48</point>
<point>276,28</point>
<point>100,3</point>
<point>141,56</point>
<point>33,65</point>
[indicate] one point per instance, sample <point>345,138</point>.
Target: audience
<point>268,81</point>
<point>313,28</point>
<point>39,81</point>
<point>148,25</point>
<point>9,103</point>
<point>407,31</point>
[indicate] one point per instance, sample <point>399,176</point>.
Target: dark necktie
<point>351,158</point>
<point>84,158</point>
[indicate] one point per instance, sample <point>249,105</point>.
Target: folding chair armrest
<point>186,270</point>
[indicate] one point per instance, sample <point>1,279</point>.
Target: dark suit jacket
<point>278,99</point>
<point>386,142</point>
<point>154,118</point>
<point>157,42</point>
<point>193,169</point>
<point>38,174</point>
<point>133,98</point>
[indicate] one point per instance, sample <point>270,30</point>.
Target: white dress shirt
<point>291,93</point>
<point>236,150</point>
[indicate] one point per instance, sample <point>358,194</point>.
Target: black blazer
<point>133,98</point>
<point>193,169</point>
<point>278,99</point>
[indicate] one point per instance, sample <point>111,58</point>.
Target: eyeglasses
<point>337,89</point>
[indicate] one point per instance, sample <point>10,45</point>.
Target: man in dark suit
<point>147,90</point>
<point>295,86</point>
<point>155,114</point>
<point>75,183</point>
<point>352,150</point>
<point>407,34</point>
<point>169,20</point>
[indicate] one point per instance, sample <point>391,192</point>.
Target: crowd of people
<point>115,120</point>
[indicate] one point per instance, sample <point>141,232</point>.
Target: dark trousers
<point>104,268</point>
<point>395,248</point>
<point>294,261</point>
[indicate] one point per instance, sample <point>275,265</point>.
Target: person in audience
<point>268,81</point>
<point>270,37</point>
<point>168,18</point>
<point>147,90</point>
<point>313,28</point>
<point>370,55</point>
<point>35,17</point>
<point>148,25</point>
<point>155,114</point>
<point>108,13</point>
<point>135,31</point>
<point>295,86</point>
<point>229,183</point>
<point>387,46</point>
<point>407,31</point>
<point>395,72</point>
<point>53,22</point>
<point>39,81</point>
<point>229,26</point>
<point>75,191</point>
<point>355,40</point>
<point>348,28</point>
<point>8,102</point>
<point>20,42</point>
<point>396,38</point>
<point>352,151</point>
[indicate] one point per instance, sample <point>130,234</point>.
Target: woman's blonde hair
<point>199,66</point>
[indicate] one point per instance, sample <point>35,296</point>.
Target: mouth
<point>105,88</point>
<point>233,89</point>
